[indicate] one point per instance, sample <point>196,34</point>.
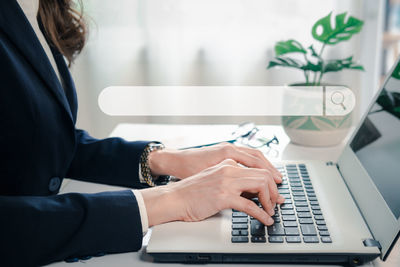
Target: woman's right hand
<point>212,190</point>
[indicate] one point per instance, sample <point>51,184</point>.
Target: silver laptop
<point>344,212</point>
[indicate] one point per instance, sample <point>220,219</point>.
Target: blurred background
<point>220,42</point>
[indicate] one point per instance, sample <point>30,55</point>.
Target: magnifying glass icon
<point>337,98</point>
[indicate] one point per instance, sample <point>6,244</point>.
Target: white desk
<point>190,135</point>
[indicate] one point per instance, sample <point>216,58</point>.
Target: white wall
<point>207,42</point>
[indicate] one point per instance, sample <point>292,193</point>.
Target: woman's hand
<point>212,190</point>
<point>185,163</point>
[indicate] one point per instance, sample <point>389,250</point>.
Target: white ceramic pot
<point>315,130</point>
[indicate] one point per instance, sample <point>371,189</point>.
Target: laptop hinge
<point>372,243</point>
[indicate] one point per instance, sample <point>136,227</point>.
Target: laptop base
<point>196,258</point>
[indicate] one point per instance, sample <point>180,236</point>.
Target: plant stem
<point>320,78</point>
<point>322,67</point>
<point>306,73</point>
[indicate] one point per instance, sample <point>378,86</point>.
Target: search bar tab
<point>226,101</point>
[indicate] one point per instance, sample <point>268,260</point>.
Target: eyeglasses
<point>249,135</point>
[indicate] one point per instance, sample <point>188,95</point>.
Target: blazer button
<point>54,184</point>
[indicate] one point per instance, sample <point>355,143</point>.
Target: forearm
<point>111,161</point>
<point>40,230</point>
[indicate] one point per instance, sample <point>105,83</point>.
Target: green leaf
<point>340,64</point>
<point>284,62</point>
<point>313,53</point>
<point>289,46</point>
<point>312,67</point>
<point>344,29</point>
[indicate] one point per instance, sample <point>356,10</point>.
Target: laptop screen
<point>377,142</point>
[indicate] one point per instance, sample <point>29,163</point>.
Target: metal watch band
<point>144,162</point>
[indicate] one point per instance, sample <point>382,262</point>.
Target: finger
<point>259,186</point>
<point>267,164</point>
<point>274,195</point>
<point>250,208</point>
<point>273,191</point>
<point>252,172</point>
<point>256,159</point>
<point>228,162</point>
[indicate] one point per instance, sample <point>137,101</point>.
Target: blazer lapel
<point>69,85</point>
<point>16,26</point>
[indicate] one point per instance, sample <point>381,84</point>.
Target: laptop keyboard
<point>298,220</point>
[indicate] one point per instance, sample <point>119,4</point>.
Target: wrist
<point>160,205</point>
<point>161,162</point>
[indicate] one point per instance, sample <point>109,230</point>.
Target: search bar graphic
<point>226,101</point>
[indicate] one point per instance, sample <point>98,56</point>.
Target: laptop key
<point>297,198</point>
<point>284,191</point>
<point>292,231</point>
<point>326,239</point>
<point>312,198</point>
<point>240,239</point>
<point>239,220</point>
<point>258,239</point>
<point>311,239</point>
<point>317,212</point>
<point>301,204</point>
<point>315,207</point>
<point>287,212</point>
<point>257,228</point>
<point>318,217</point>
<point>288,201</point>
<point>320,222</point>
<point>286,206</point>
<point>311,194</point>
<point>239,214</point>
<point>305,221</point>
<point>289,217</point>
<point>314,203</point>
<point>293,239</point>
<point>297,189</point>
<point>298,193</point>
<point>239,226</point>
<point>324,233</point>
<point>296,184</point>
<point>240,232</point>
<point>275,239</point>
<point>275,229</point>
<point>322,227</point>
<point>308,229</point>
<point>276,219</point>
<point>302,209</point>
<point>290,224</point>
<point>304,215</point>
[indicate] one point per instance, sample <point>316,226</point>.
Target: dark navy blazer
<point>39,146</point>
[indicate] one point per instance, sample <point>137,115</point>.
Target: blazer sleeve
<point>40,230</point>
<point>112,161</point>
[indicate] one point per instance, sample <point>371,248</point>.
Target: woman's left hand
<point>185,163</point>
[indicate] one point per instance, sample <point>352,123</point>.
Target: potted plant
<point>318,130</point>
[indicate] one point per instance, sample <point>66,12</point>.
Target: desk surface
<point>191,135</point>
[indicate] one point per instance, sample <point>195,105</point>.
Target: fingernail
<point>272,211</point>
<point>270,221</point>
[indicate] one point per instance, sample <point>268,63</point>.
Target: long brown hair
<point>64,25</point>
